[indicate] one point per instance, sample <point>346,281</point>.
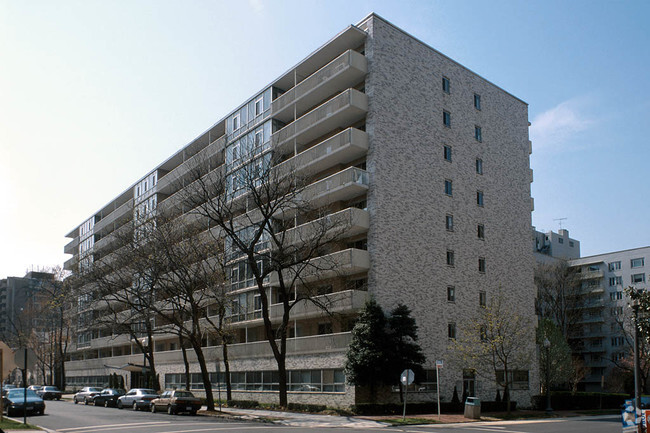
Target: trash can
<point>473,408</point>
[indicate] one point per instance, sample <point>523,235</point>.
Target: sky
<point>95,94</point>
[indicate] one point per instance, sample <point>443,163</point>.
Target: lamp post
<point>547,346</point>
<point>637,369</point>
<point>145,383</point>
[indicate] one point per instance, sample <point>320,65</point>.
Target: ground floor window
<point>518,379</point>
<point>81,381</point>
<point>329,380</point>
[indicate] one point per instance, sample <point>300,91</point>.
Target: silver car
<point>137,398</point>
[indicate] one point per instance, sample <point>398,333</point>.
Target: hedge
<point>428,408</point>
<point>565,400</point>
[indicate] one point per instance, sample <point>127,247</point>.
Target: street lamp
<point>547,346</point>
<point>145,383</point>
<point>637,381</point>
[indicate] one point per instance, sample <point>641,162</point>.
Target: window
<point>446,85</point>
<point>259,106</point>
<point>450,258</point>
<point>479,166</point>
<point>615,281</point>
<point>449,223</point>
<point>571,244</point>
<point>560,240</point>
<point>482,299</point>
<point>637,263</point>
<point>483,333</point>
<point>446,118</point>
<point>481,264</point>
<point>451,331</point>
<point>617,341</point>
<point>480,231</point>
<point>451,294</point>
<point>638,278</point>
<point>479,198</point>
<point>447,186</point>
<point>518,379</point>
<point>614,266</point>
<point>324,328</point>
<point>235,122</point>
<point>478,133</point>
<point>616,296</point>
<point>447,153</point>
<point>477,101</point>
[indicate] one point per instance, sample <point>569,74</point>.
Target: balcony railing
<point>341,73</point>
<point>341,111</point>
<point>124,211</point>
<point>346,146</point>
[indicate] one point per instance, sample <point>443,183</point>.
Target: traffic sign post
<point>439,365</point>
<point>406,378</point>
<point>25,358</point>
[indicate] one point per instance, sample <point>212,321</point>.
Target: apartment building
<point>430,163</point>
<point>19,304</point>
<point>602,335</point>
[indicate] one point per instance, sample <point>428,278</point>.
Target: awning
<point>129,367</point>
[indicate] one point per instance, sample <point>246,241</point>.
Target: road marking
<point>113,425</point>
<point>222,429</point>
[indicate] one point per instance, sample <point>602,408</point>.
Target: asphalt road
<point>65,417</point>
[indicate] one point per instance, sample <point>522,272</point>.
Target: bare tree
<point>497,343</point>
<point>559,295</point>
<point>275,232</point>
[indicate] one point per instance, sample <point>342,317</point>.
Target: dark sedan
<point>137,398</point>
<point>16,403</point>
<point>49,393</point>
<point>108,397</point>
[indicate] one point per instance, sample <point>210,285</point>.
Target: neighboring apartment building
<point>599,340</point>
<point>19,304</point>
<point>431,162</point>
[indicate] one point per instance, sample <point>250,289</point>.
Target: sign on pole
<point>406,378</point>
<point>439,365</point>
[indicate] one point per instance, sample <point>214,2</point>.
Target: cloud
<point>559,125</point>
<point>256,5</point>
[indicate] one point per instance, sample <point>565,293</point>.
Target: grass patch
<point>13,425</point>
<point>407,421</point>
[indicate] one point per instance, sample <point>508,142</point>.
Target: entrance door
<point>469,382</point>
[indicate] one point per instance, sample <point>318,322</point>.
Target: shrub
<point>243,404</point>
<point>565,400</point>
<point>302,407</point>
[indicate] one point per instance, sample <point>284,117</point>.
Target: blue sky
<point>95,94</point>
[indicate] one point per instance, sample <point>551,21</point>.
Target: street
<point>66,417</point>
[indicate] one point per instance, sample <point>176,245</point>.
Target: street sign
<point>439,363</point>
<point>25,358</point>
<point>407,377</point>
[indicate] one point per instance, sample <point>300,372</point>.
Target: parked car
<point>7,387</point>
<point>49,393</point>
<point>86,395</point>
<point>34,387</point>
<point>175,402</point>
<point>137,398</point>
<point>16,403</point>
<point>108,397</point>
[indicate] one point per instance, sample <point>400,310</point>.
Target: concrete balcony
<point>343,224</point>
<point>590,275</point>
<point>295,346</point>
<point>344,185</point>
<point>338,302</point>
<point>169,183</point>
<point>339,112</point>
<point>119,216</point>
<point>70,264</point>
<point>72,246</point>
<point>341,263</point>
<point>344,147</point>
<point>341,73</point>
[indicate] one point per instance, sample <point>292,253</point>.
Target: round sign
<point>25,358</point>
<point>407,377</point>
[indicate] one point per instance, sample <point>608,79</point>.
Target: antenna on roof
<point>559,220</point>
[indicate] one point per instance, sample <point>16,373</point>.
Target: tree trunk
<point>282,376</point>
<point>207,385</point>
<point>226,363</point>
<point>186,363</point>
